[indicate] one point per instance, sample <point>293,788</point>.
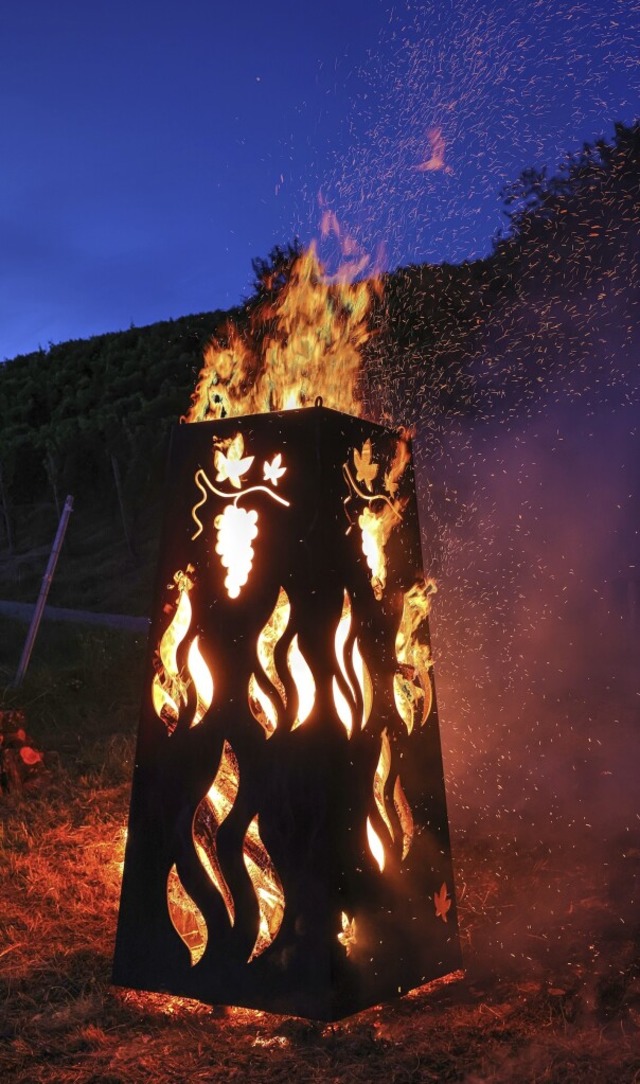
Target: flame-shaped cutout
<point>380,779</point>
<point>405,817</point>
<point>412,683</point>
<point>344,708</point>
<point>375,845</point>
<point>168,689</point>
<point>202,679</point>
<point>187,919</point>
<point>303,679</point>
<point>267,887</point>
<point>348,936</point>
<point>213,809</point>
<point>263,706</point>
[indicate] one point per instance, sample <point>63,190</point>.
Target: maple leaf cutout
<point>390,485</point>
<point>232,465</point>
<point>442,903</point>
<point>274,469</point>
<point>365,469</point>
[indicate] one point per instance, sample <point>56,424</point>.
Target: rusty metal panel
<point>288,845</point>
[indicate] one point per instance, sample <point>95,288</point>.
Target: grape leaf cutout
<point>366,471</point>
<point>232,465</point>
<point>274,469</point>
<point>442,903</point>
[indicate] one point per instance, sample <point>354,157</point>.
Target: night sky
<point>151,150</point>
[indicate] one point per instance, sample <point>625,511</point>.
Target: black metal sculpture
<point>288,843</point>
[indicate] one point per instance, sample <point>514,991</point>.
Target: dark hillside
<point>91,418</point>
<point>552,313</point>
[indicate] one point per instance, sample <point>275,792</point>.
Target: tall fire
<point>288,844</point>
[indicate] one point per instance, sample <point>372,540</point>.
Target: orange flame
<point>169,687</point>
<point>383,509</point>
<point>186,917</point>
<point>305,343</point>
<point>267,887</point>
<point>211,812</point>
<point>214,808</point>
<point>345,704</point>
<point>262,701</point>
<point>412,684</point>
<point>380,779</point>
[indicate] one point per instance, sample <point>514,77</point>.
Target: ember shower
<point>288,844</point>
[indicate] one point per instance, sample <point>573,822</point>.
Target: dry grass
<point>555,1000</point>
<point>550,934</point>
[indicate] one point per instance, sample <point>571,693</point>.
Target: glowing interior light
<point>375,845</point>
<point>345,707</point>
<point>270,636</point>
<point>236,529</point>
<point>405,817</point>
<point>212,811</point>
<point>168,689</point>
<point>202,679</point>
<point>176,632</point>
<point>263,707</point>
<point>164,705</point>
<point>412,683</point>
<point>405,695</point>
<point>364,681</point>
<point>380,779</point>
<point>187,919</point>
<point>348,935</point>
<point>371,525</point>
<point>267,887</point>
<point>303,679</point>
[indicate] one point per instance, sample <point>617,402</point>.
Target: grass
<point>94,540</point>
<point>552,986</point>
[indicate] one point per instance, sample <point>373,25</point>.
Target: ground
<point>550,932</point>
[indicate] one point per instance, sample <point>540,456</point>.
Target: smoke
<point>536,622</point>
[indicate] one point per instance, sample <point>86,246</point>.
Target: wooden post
<point>44,591</point>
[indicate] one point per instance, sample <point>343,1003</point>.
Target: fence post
<point>44,591</point>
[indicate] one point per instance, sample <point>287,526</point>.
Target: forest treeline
<point>556,304</point>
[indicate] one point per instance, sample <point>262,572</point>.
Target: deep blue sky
<point>149,150</point>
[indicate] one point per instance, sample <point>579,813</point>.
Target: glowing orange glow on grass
<point>316,331</point>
